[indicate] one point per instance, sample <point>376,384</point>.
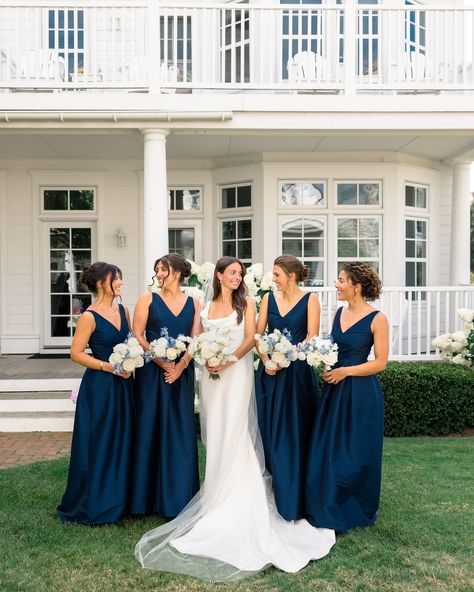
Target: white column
<point>460,226</point>
<point>155,199</point>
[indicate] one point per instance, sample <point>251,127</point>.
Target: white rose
<point>213,361</point>
<point>206,271</point>
<point>267,282</point>
<point>271,365</point>
<point>251,285</point>
<point>115,359</point>
<point>301,356</point>
<point>256,270</point>
<point>139,362</point>
<point>278,357</point>
<point>128,365</point>
<point>194,267</point>
<point>121,348</point>
<point>171,353</point>
<point>466,315</point>
<point>133,342</point>
<point>135,352</point>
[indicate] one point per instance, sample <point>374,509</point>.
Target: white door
<point>67,248</point>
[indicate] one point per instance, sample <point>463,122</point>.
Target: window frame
<point>420,209</point>
<point>352,181</point>
<point>337,259</point>
<point>68,212</point>
<point>416,259</point>
<point>244,209</point>
<point>221,236</point>
<point>187,213</point>
<point>302,207</point>
<point>196,225</point>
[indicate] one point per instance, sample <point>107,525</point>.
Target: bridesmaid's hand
<point>336,375</point>
<point>175,372</point>
<point>166,366</point>
<point>109,368</point>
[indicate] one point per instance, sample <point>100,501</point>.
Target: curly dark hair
<point>361,273</point>
<point>239,301</point>
<point>177,262</point>
<point>98,272</point>
<point>291,264</point>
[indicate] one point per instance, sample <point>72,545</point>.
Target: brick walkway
<point>24,448</point>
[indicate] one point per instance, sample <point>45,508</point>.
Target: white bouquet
<point>167,348</point>
<point>212,348</point>
<point>458,347</point>
<point>127,356</point>
<point>318,351</point>
<point>278,347</point>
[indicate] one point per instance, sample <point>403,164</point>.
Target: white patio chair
<point>43,65</point>
<point>307,66</point>
<point>415,66</point>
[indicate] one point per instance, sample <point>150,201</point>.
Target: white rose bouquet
<point>458,347</point>
<point>167,348</point>
<point>318,351</point>
<point>212,348</point>
<point>127,356</point>
<point>278,347</point>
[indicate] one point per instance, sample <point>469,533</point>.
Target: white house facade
<point>330,130</point>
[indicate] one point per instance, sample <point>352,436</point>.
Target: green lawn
<point>423,539</point>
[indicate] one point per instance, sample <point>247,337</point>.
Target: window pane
<point>59,238</point>
<point>313,194</point>
<point>55,199</point>
<point>421,197</point>
<point>178,200</point>
<point>368,248</point>
<point>244,196</point>
<point>244,249</point>
<point>313,248</point>
<point>347,194</point>
<point>82,200</point>
<point>410,273</point>
<point>60,304</point>
<point>410,196</point>
<point>228,249</point>
<point>292,229</point>
<point>81,238</point>
<point>80,259</point>
<point>409,248</point>
<point>181,240</point>
<point>292,247</point>
<point>244,229</point>
<point>80,302</point>
<point>57,260</point>
<point>316,273</point>
<point>60,327</point>
<point>290,194</point>
<point>191,199</point>
<point>228,197</point>
<point>369,194</point>
<point>347,228</point>
<point>421,249</point>
<point>420,229</point>
<point>421,274</point>
<point>410,228</point>
<point>347,248</point>
<point>313,228</point>
<point>59,283</point>
<point>368,227</point>
<point>228,230</point>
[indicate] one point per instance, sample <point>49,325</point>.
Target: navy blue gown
<point>345,458</point>
<point>165,462</point>
<point>286,406</point>
<point>99,469</point>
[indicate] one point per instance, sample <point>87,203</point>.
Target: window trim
<point>221,234</point>
<point>68,212</point>
<point>302,207</point>
<point>424,210</point>
<point>282,219</point>
<point>337,259</point>
<point>244,209</point>
<point>416,259</point>
<point>355,206</point>
<point>196,224</point>
<point>186,213</point>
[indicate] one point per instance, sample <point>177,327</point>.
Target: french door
<point>67,247</point>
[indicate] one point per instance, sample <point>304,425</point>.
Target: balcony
<point>154,46</point>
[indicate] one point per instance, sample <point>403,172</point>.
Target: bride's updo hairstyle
<point>239,302</point>
<point>361,273</point>
<point>177,263</point>
<point>98,272</point>
<point>291,264</point>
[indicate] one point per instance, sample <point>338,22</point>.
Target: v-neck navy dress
<point>165,461</point>
<point>286,406</point>
<point>99,469</point>
<point>345,458</point>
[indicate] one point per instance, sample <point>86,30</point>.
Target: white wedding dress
<point>231,528</point>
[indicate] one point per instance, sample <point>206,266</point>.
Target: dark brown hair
<point>98,272</point>
<point>361,273</point>
<point>177,262</point>
<point>291,264</point>
<point>239,302</point>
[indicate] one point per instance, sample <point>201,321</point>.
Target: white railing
<point>416,316</point>
<point>165,46</point>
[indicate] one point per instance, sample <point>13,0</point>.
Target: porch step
<point>38,384</point>
<point>48,411</point>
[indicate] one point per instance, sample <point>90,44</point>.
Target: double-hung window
<point>235,219</point>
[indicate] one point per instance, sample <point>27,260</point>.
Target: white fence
<point>158,46</point>
<point>416,316</point>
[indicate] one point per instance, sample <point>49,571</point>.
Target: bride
<point>231,528</point>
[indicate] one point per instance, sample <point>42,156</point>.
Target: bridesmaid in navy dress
<point>345,459</point>
<point>165,466</point>
<point>287,397</point>
<point>99,469</point>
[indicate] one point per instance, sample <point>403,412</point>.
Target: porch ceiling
<point>103,144</point>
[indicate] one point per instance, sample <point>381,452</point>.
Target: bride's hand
<point>218,369</point>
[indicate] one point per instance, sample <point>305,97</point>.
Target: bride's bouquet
<point>127,356</point>
<point>319,351</point>
<point>278,347</point>
<point>166,348</point>
<point>212,348</point>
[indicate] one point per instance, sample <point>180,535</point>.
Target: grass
<point>422,541</point>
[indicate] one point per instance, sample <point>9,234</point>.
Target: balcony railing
<point>156,46</point>
<point>415,315</point>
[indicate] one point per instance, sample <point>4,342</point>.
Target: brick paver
<point>21,448</point>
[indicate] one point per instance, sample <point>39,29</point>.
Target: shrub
<point>426,398</point>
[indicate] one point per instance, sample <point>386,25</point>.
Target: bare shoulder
<point>379,320</point>
<point>145,298</point>
<point>313,297</point>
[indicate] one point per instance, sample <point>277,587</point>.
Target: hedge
<point>426,398</point>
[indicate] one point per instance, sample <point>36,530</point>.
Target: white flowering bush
<point>458,347</point>
<point>127,356</point>
<point>212,348</point>
<point>167,348</point>
<point>318,351</point>
<point>278,347</point>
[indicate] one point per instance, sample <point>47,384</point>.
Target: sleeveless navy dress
<point>286,406</point>
<point>165,462</point>
<point>345,458</point>
<point>99,469</point>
